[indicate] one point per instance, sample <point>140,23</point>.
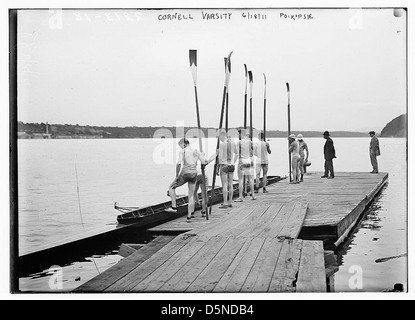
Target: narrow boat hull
<point>156,214</point>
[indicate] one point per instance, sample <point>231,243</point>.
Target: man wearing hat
<point>303,159</point>
<point>374,151</point>
<point>329,155</point>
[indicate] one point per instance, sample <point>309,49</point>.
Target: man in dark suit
<point>329,155</point>
<point>374,151</point>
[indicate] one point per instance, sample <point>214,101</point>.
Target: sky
<point>346,67</point>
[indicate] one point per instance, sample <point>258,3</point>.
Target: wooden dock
<point>334,205</point>
<point>253,250</point>
<point>263,245</point>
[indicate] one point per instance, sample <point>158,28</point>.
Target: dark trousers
<point>328,167</point>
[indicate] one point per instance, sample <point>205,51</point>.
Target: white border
<point>4,225</point>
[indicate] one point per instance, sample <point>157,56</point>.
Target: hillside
<point>396,127</point>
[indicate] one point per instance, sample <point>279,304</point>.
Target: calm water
<point>67,187</point>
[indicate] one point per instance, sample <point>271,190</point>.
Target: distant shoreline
<point>69,131</point>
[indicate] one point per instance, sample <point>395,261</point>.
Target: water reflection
<point>64,274</point>
<point>369,220</point>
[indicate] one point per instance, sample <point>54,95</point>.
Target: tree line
<point>149,132</point>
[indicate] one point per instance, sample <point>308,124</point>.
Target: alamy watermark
<point>165,141</point>
<point>356,278</point>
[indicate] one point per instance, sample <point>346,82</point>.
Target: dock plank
<point>163,273</point>
<point>233,219</point>
<point>211,275</point>
<point>186,275</point>
<point>235,275</point>
<point>260,275</point>
<point>286,269</point>
<point>136,275</point>
<point>262,216</point>
<point>250,224</point>
<point>311,274</point>
<point>124,266</point>
<point>294,223</point>
<point>276,225</point>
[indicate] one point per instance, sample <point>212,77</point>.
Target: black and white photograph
<point>182,148</point>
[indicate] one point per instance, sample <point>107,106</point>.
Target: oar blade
<point>193,57</point>
<point>228,69</point>
<point>193,64</point>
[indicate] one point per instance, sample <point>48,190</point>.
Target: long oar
<point>227,77</point>
<point>227,66</point>
<point>251,82</point>
<point>193,67</point>
<point>246,96</point>
<point>265,107</point>
<point>289,128</point>
<point>243,191</point>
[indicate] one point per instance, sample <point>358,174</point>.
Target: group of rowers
<point>250,159</point>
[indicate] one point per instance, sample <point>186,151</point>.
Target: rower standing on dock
<point>186,172</point>
<point>199,181</point>
<point>303,159</point>
<point>246,165</point>
<point>294,149</point>
<point>228,155</point>
<point>261,152</point>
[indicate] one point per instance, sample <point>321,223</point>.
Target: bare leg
<point>294,168</point>
<point>258,173</point>
<point>265,176</point>
<point>301,168</point>
<point>172,197</point>
<point>224,178</point>
<point>230,187</point>
<point>191,205</point>
<point>251,183</point>
<point>241,183</point>
<point>204,193</point>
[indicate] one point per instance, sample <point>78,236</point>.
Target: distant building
<point>35,135</point>
<point>23,135</point>
<point>41,136</point>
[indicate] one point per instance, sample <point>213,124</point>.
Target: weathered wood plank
<point>163,273</point>
<point>211,275</point>
<point>275,226</point>
<point>260,275</point>
<point>235,275</point>
<point>294,223</point>
<point>262,216</point>
<point>286,269</point>
<point>311,273</point>
<point>124,266</point>
<point>147,267</point>
<point>249,224</point>
<point>191,270</point>
<point>232,220</point>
